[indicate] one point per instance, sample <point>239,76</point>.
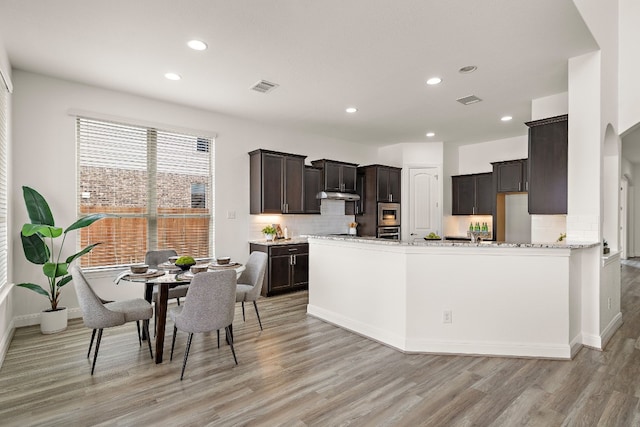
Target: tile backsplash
<point>331,220</point>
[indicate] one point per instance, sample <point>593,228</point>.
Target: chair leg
<point>95,355</point>
<point>230,339</point>
<point>139,336</point>
<point>173,342</point>
<point>93,335</point>
<point>145,325</point>
<point>243,319</point>
<point>257,314</point>
<point>218,331</point>
<point>178,301</point>
<point>186,354</point>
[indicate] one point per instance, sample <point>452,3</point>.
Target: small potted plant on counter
<point>269,232</point>
<point>605,247</point>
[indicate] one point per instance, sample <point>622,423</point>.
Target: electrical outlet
<point>609,303</point>
<point>231,214</point>
<point>447,316</point>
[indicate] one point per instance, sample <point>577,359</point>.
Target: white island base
<point>463,298</point>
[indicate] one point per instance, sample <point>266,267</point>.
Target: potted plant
<point>38,244</point>
<point>605,247</point>
<point>269,232</point>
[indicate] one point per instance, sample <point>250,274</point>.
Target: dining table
<point>165,277</point>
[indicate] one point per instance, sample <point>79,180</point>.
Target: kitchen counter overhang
<point>531,300</point>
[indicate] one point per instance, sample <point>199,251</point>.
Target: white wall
<point>629,14</point>
<point>550,106</point>
<point>44,129</point>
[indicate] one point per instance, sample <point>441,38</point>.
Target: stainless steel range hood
<point>335,195</point>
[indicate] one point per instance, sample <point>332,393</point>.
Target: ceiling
<point>326,55</point>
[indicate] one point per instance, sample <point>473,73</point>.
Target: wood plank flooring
<point>303,372</point>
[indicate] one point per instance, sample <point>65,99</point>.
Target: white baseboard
<point>598,342</point>
<point>422,345</point>
<point>34,318</point>
<point>7,336</point>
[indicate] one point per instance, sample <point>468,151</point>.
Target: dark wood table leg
<point>163,297</point>
<point>148,292</point>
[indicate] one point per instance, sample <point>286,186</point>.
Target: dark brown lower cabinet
<point>287,267</point>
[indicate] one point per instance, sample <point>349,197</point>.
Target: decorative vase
<point>269,237</point>
<point>53,321</point>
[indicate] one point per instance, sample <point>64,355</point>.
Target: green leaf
<point>85,221</point>
<point>35,249</point>
<point>64,281</point>
<point>82,252</point>
<point>37,207</point>
<point>35,288</point>
<point>44,230</point>
<point>51,269</point>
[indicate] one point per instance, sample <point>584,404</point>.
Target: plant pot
<point>269,237</point>
<point>54,321</point>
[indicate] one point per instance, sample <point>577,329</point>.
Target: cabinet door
<point>272,183</point>
<point>332,180</point>
<point>300,276</point>
<point>463,195</point>
<point>395,177</point>
<point>382,182</point>
<point>485,194</point>
<point>509,177</point>
<point>312,186</point>
<point>293,185</point>
<point>360,190</point>
<point>280,272</point>
<point>548,155</point>
<point>349,178</point>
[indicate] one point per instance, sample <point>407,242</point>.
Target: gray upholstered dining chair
<point>209,306</point>
<point>98,315</point>
<point>251,280</point>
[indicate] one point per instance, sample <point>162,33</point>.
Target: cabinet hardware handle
<point>391,197</point>
<point>519,186</point>
<point>526,185</point>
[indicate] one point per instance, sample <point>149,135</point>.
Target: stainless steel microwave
<point>388,214</point>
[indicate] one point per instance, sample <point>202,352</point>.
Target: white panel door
<point>425,212</point>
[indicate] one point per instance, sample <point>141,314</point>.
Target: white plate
<point>149,272</point>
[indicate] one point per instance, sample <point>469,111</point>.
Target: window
<point>4,142</point>
<point>156,185</point>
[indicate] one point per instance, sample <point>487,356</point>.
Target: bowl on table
<point>173,259</point>
<point>201,268</point>
<point>139,268</point>
<point>223,260</point>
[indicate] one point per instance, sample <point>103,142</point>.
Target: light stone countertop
<point>451,243</point>
<point>292,241</point>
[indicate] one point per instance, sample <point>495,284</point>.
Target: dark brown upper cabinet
<point>511,176</point>
<point>276,182</point>
<point>312,186</point>
<point>472,194</point>
<point>548,160</point>
<point>337,176</point>
<point>388,182</point>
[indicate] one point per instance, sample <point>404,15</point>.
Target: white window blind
<point>143,177</point>
<point>4,141</point>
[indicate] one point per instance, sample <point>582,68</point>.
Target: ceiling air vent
<point>264,86</point>
<point>466,100</point>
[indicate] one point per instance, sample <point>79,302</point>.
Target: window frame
<point>152,215</point>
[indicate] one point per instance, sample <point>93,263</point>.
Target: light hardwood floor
<point>301,371</point>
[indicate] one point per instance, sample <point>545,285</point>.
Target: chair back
<point>254,274</point>
<point>154,258</point>
<point>210,302</point>
<point>94,314</point>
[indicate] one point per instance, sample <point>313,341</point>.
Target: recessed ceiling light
<point>172,76</point>
<point>468,69</point>
<point>430,134</point>
<point>351,110</point>
<point>434,81</point>
<point>506,118</point>
<point>197,44</point>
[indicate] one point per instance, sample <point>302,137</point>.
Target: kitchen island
<point>526,300</point>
